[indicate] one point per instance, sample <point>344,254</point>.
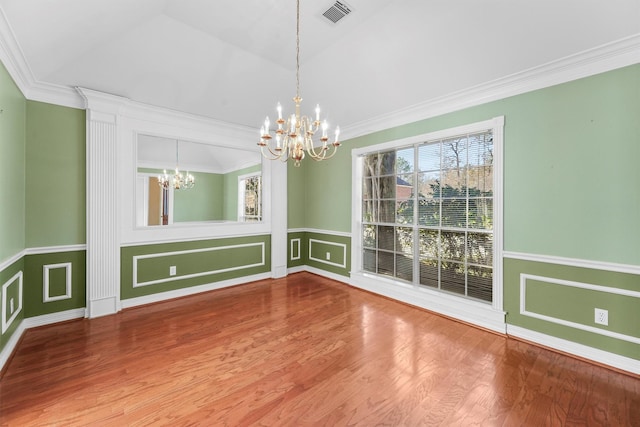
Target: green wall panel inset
<point>197,262</point>
<point>239,256</point>
<point>8,280</point>
<point>552,299</point>
<point>34,294</point>
<point>58,282</point>
<point>573,304</point>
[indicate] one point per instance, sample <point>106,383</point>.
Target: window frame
<point>373,281</point>
<point>241,196</point>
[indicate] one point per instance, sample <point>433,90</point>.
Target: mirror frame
<point>203,132</point>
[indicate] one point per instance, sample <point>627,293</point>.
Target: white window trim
<point>486,315</point>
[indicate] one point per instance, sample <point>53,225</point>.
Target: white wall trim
<point>137,284</point>
<point>46,294</point>
<point>297,253</point>
<point>41,250</point>
<point>580,350</point>
<point>15,258</point>
<point>55,249</point>
<point>10,345</point>
<point>48,319</point>
<point>328,262</point>
<point>588,286</point>
<point>319,272</point>
<point>176,293</point>
<point>607,57</point>
<point>319,231</point>
<point>575,262</point>
<point>470,311</point>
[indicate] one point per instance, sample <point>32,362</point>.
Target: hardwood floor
<point>303,350</point>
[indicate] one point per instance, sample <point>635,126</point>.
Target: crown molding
<point>607,57</point>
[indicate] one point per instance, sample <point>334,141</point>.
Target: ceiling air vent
<point>337,11</point>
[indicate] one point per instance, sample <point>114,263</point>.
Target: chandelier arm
<point>274,155</point>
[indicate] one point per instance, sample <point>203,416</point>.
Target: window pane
<point>429,157</point>
<point>452,277</point>
<point>385,263</point>
<point>480,248</point>
<point>385,238</point>
<point>429,243</point>
<point>404,212</point>
<point>369,260</point>
<point>404,240</point>
<point>387,211</point>
<point>480,283</point>
<point>379,211</point>
<point>367,189</point>
<point>452,246</point>
<point>429,272</point>
<point>454,213</point>
<point>429,184</point>
<point>377,164</point>
<point>429,212</point>
<point>404,267</point>
<point>404,160</point>
<point>369,236</point>
<point>481,214</point>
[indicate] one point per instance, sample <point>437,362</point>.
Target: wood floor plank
<point>301,350</point>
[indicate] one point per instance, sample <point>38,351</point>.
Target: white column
<point>278,218</point>
<point>103,246</point>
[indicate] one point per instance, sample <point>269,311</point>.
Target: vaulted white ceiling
<point>232,60</point>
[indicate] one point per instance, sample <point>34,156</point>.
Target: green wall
<point>231,191</point>
<point>12,167</point>
<point>570,169</point>
<point>201,203</point>
<point>55,175</point>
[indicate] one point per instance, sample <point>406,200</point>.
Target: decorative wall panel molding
<point>46,291</point>
<point>524,278</point>
<point>13,307</point>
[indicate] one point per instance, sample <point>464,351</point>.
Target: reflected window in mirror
<point>250,197</point>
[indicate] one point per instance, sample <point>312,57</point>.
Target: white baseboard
<point>600,356</point>
<point>48,319</point>
<point>10,346</point>
<point>163,296</point>
<point>319,272</point>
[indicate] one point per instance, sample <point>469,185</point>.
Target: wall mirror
<point>227,183</point>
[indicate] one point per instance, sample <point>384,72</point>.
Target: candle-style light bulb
<point>266,124</point>
<point>279,108</point>
<point>337,133</point>
<point>317,112</point>
<point>278,141</point>
<point>293,123</point>
<point>325,126</point>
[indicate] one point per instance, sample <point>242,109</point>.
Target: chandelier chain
<point>298,48</point>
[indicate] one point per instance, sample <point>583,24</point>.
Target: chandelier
<point>178,181</point>
<point>294,137</point>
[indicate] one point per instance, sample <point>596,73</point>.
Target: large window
<point>427,213</point>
